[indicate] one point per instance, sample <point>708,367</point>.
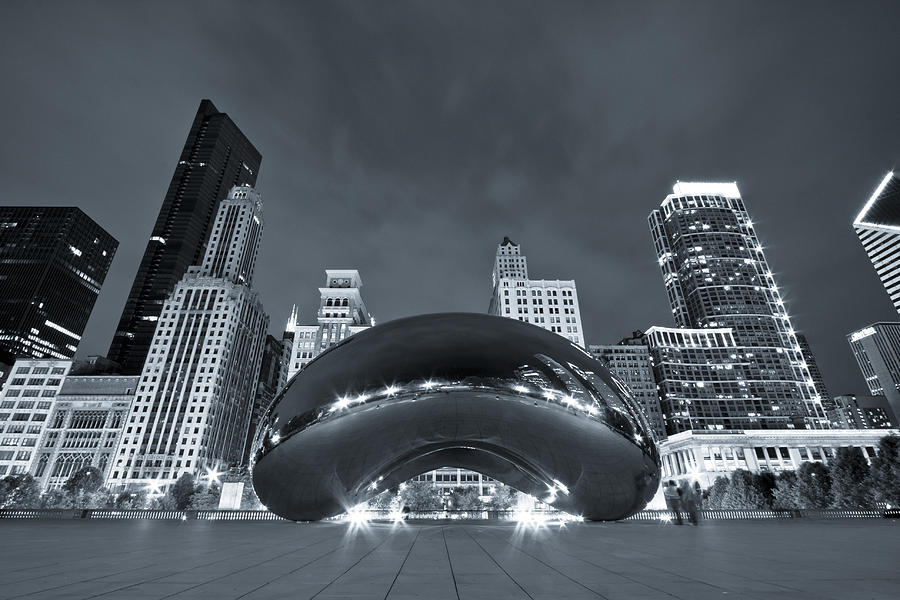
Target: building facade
<point>702,456</point>
<point>549,304</point>
<point>272,379</point>
<point>717,276</point>
<point>878,227</point>
<point>342,313</point>
<point>27,400</point>
<point>703,384</point>
<point>631,362</point>
<point>215,157</point>
<point>53,261</point>
<point>815,373</point>
<point>862,412</point>
<point>84,427</point>
<point>194,399</point>
<point>876,349</point>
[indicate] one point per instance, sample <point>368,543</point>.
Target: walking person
<point>673,499</point>
<point>689,501</point>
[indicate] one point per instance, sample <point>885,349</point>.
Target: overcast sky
<point>406,139</point>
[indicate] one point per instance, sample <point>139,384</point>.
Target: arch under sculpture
<point>494,395</point>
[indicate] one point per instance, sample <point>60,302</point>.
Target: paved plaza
<point>790,558</point>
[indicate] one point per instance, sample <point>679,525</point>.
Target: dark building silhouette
<point>216,156</point>
<point>53,261</point>
<point>272,378</point>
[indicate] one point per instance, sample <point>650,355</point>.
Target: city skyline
<point>351,193</point>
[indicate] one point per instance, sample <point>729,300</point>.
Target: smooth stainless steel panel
<point>494,395</point>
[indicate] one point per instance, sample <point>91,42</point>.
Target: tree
<point>86,480</point>
<point>206,498</point>
<point>885,471</point>
<point>503,498</point>
<point>743,492</point>
<point>24,492</point>
<point>421,496</point>
<point>813,485</point>
<point>786,495</point>
<point>181,491</point>
<point>57,499</point>
<point>850,487</point>
<point>766,482</point>
<point>465,498</point>
<point>382,501</point>
<point>716,493</point>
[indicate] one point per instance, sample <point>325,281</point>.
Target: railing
<point>492,515</point>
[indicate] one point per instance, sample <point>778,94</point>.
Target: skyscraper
<point>216,156</point>
<point>195,396</point>
<point>716,276</point>
<point>550,304</point>
<point>877,352</point>
<point>878,227</point>
<point>341,314</point>
<point>53,261</point>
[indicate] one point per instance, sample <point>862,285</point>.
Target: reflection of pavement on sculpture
<point>494,395</point>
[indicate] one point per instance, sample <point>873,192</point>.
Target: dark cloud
<point>405,139</point>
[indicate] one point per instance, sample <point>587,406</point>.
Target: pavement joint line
<point>245,568</point>
<point>450,562</point>
<point>347,570</point>
<point>405,558</point>
<point>179,572</point>
<point>67,584</point>
<point>661,559</point>
<point>499,566</point>
<point>549,566</point>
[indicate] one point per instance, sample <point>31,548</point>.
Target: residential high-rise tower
<point>216,156</point>
<point>716,276</point>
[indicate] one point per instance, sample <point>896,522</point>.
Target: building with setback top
<point>878,227</point>
<point>194,400</point>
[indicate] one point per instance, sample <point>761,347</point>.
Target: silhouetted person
<point>673,499</point>
<point>688,501</point>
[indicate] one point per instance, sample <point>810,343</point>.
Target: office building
<point>341,314</point>
<point>702,456</point>
<point>215,157</point>
<point>192,407</point>
<point>630,361</point>
<point>84,427</point>
<point>53,261</point>
<point>548,303</point>
<point>878,227</point>
<point>717,276</point>
<point>862,412</point>
<point>877,352</point>
<point>26,402</point>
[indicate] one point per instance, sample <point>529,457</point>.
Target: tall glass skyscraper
<point>876,349</point>
<point>878,227</point>
<point>716,276</point>
<point>216,156</point>
<point>53,261</point>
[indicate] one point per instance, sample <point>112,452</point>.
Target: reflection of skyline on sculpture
<point>506,399</point>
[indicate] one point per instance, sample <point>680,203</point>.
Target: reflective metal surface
<point>494,395</point>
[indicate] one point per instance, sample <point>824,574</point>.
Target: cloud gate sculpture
<point>507,399</point>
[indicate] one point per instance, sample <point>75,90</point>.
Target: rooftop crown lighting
<point>873,198</point>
